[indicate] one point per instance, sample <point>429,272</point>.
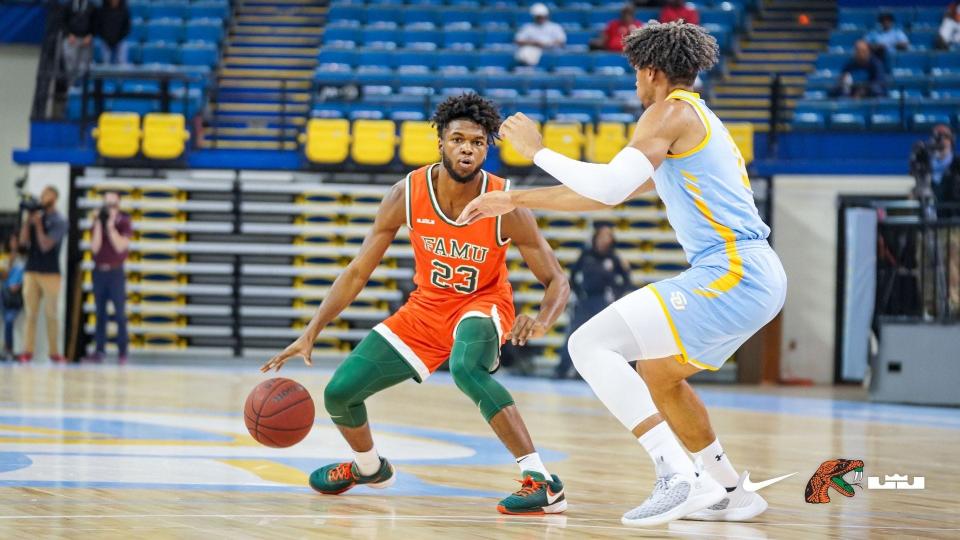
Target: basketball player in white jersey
<point>679,326</point>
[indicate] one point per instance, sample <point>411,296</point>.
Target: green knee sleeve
<point>475,349</point>
<point>372,366</point>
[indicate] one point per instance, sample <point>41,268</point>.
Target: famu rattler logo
<point>830,475</point>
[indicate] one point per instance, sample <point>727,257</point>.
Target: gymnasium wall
<point>805,236</point>
<point>18,69</point>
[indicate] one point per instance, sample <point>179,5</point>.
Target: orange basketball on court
<point>279,412</point>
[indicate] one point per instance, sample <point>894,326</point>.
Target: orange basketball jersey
<point>461,271</point>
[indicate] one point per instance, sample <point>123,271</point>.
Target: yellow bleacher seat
<point>510,156</point>
<point>165,135</point>
<point>327,140</point>
<point>374,142</point>
<point>118,135</point>
<point>742,135</point>
<point>418,144</point>
<point>564,138</point>
<point>608,140</point>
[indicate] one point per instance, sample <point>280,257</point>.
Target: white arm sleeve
<point>609,183</point>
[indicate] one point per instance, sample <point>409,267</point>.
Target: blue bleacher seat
<point>831,63</point>
<point>925,115</point>
<point>945,62</point>
<point>380,38</point>
<point>460,18</point>
<point>857,18</point>
<point>571,20</point>
<point>421,39</point>
<point>464,4</point>
<point>926,18</point>
<point>579,40</point>
<point>916,61</point>
<point>719,17</point>
<point>842,41</point>
<point>603,83</point>
<point>462,39</point>
<point>170,30</point>
<point>435,3</point>
<point>449,61</point>
<point>381,17</point>
<point>848,119</point>
<point>161,10</point>
<point>420,17</point>
<point>566,62</point>
<point>599,18</point>
<point>206,29</point>
<point>497,39</point>
<point>213,10</point>
<point>139,10</point>
<point>341,12</point>
<point>923,39</point>
<point>606,62</point>
<point>158,53</point>
<point>198,54</point>
<point>507,80</point>
<point>412,60</point>
<point>497,18</point>
<point>346,57</point>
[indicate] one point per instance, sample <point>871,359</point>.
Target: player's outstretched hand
<point>302,347</point>
<point>526,328</point>
<point>523,134</point>
<point>488,205</point>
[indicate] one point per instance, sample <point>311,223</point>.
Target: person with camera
<point>936,168</point>
<point>110,231</point>
<point>11,292</point>
<point>42,235</point>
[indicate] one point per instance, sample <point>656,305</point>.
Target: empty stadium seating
<point>923,84</point>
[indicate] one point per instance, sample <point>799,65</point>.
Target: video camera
<point>28,202</point>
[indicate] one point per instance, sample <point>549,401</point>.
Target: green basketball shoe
<point>336,478</point>
<point>536,496</point>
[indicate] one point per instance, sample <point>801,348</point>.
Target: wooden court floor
<point>161,452</point>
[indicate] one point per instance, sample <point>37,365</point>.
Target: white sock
<point>715,462</point>
<point>367,462</point>
<point>667,455</point>
<point>532,462</point>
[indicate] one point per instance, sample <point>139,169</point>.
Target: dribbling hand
<point>302,347</point>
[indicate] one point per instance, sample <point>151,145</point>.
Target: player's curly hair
<point>469,106</point>
<point>680,50</point>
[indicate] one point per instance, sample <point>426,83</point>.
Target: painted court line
<point>538,520</point>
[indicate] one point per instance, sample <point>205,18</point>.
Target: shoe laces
<point>343,471</point>
<point>528,486</point>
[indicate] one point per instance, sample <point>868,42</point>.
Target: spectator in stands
<point>598,277</point>
<point>77,24</point>
<point>944,166</point>
<point>110,238</point>
<point>949,35</point>
<point>542,33</point>
<point>863,76</point>
<point>675,10</point>
<point>112,25</point>
<point>887,38</point>
<point>42,236</point>
<point>611,39</point>
<point>12,292</point>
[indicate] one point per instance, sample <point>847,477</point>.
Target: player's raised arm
<point>390,217</point>
<point>521,227</point>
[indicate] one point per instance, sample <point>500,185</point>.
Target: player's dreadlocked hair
<point>680,50</point>
<point>471,107</point>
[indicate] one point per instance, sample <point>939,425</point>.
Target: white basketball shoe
<point>738,505</point>
<point>675,496</point>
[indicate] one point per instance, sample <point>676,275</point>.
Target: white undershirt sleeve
<point>609,183</point>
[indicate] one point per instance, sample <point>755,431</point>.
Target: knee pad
<point>340,401</point>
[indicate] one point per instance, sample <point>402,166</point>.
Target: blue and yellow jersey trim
<point>684,357</point>
<point>693,99</point>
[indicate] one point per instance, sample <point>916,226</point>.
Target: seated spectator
<point>112,26</point>
<point>542,33</point>
<point>611,39</point>
<point>863,76</point>
<point>949,35</point>
<point>887,38</point>
<point>77,25</point>
<point>675,10</point>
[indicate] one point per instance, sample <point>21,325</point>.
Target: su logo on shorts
<point>678,301</point>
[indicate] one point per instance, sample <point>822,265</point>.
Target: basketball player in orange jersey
<point>462,308</point>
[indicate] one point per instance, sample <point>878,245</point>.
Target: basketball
<point>279,412</point>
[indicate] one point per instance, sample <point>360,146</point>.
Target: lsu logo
<point>678,301</point>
